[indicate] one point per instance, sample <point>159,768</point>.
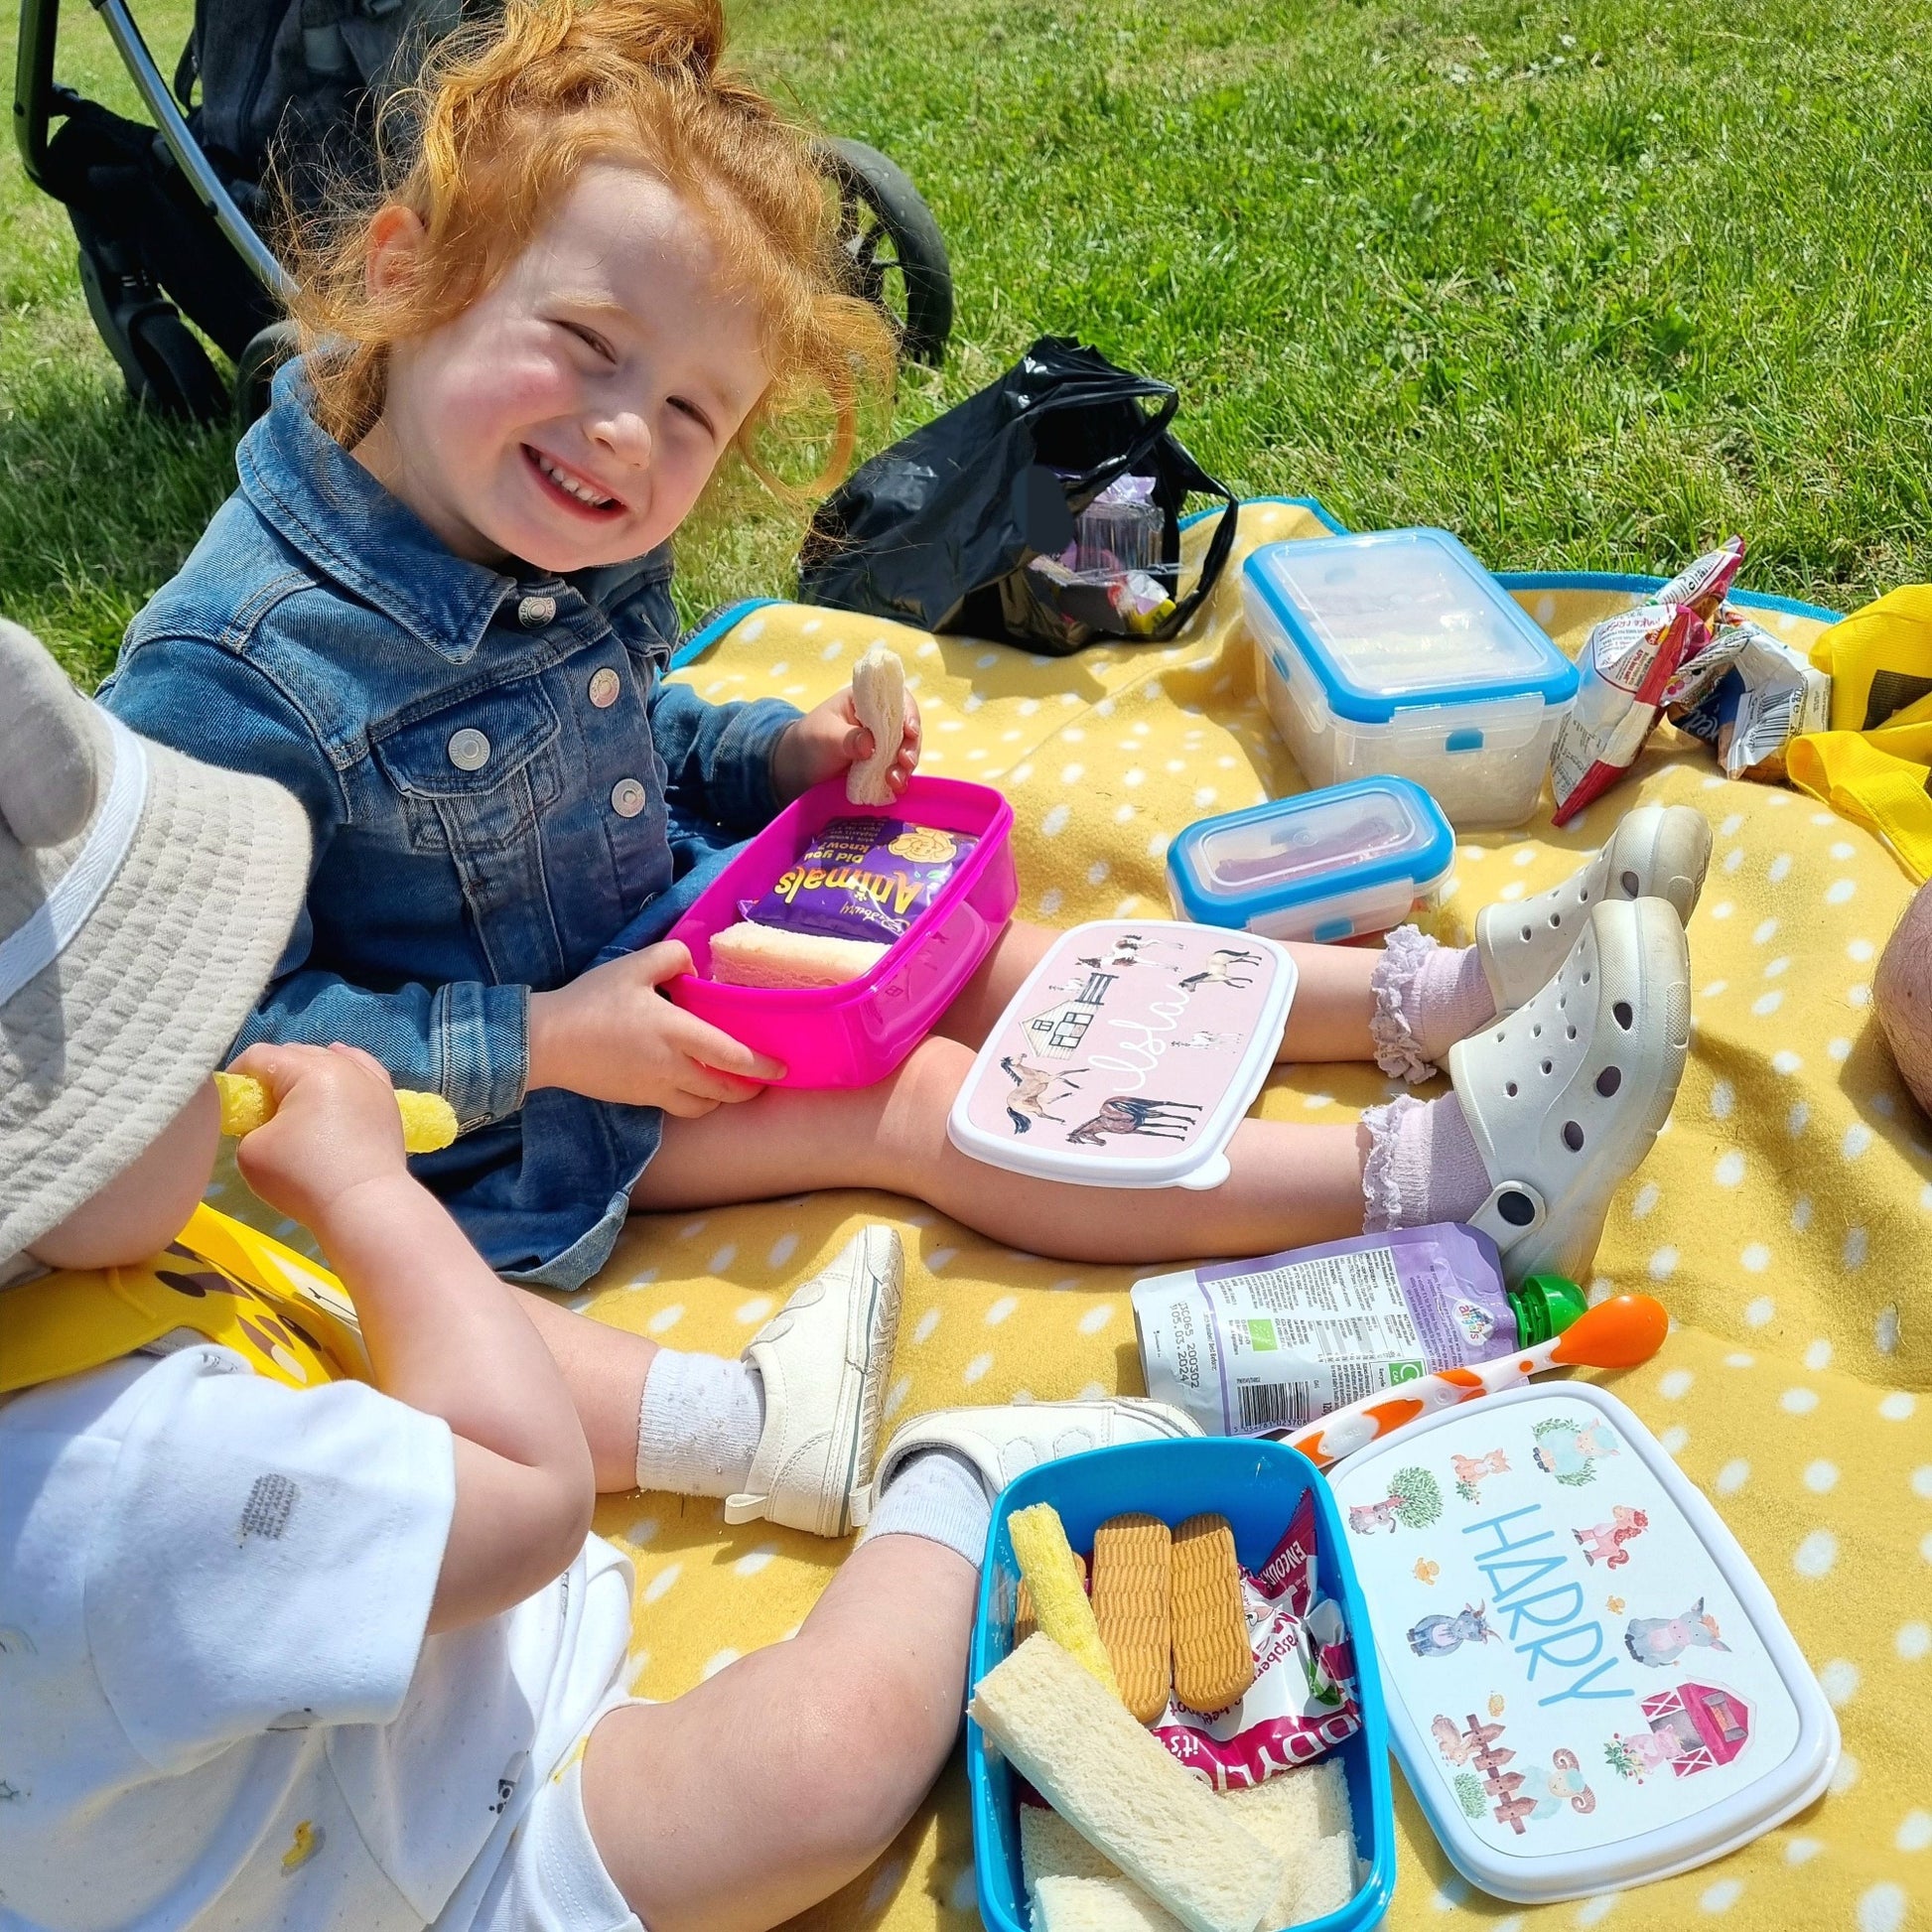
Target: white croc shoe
<point>1001,1441</point>
<point>824,1358</point>
<point>1564,1096</point>
<point>1657,852</point>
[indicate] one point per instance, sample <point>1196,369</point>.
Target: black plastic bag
<point>963,525</point>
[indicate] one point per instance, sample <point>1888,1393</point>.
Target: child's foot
<point>1553,1105</point>
<point>940,1473</point>
<point>823,1360</point>
<point>1656,852</point>
<point>1430,997</point>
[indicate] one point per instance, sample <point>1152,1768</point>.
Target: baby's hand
<point>825,741</point>
<point>610,1035</point>
<point>335,1127</point>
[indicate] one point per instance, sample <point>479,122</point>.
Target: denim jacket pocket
<point>474,779</point>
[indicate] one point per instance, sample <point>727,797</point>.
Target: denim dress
<point>502,789</point>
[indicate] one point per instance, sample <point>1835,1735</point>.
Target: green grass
<point>1590,286</point>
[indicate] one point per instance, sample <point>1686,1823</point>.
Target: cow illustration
<point>1603,1543</point>
<point>1438,1636</point>
<point>1158,1120</point>
<point>1661,1640</point>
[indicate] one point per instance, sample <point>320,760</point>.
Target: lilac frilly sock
<point>1423,1165</point>
<point>1427,997</point>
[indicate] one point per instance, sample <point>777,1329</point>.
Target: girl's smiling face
<point>574,413</point>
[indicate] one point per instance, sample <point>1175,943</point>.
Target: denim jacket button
<point>468,750</point>
<point>627,799</point>
<point>533,612</point>
<point>605,686</point>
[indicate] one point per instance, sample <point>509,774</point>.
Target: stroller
<point>168,218</point>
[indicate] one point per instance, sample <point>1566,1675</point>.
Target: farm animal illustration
<point>1414,1501</point>
<point>1661,1640</point>
<point>1033,1091</point>
<point>1636,1754</point>
<point>1221,970</point>
<point>1455,1748</point>
<point>1471,1470</point>
<point>1562,1783</point>
<point>1158,1120</point>
<point>1569,1451</point>
<point>1426,1570</point>
<point>1603,1542</point>
<point>1693,1728</point>
<point>1439,1635</point>
<point>1126,950</point>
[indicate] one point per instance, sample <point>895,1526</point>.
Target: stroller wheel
<point>181,379</point>
<point>898,254</point>
<point>269,349</point>
<point>165,368</point>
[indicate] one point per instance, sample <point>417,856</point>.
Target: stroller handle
<point>187,151</point>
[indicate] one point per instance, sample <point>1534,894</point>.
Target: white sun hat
<point>144,901</point>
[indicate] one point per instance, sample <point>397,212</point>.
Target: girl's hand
<point>610,1035</point>
<point>824,741</point>
<point>335,1128</point>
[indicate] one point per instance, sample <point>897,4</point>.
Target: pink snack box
<point>853,1035</point>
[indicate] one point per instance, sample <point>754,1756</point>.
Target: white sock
<point>940,1496</point>
<point>699,1424</point>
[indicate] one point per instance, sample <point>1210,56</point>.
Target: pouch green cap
<point>1545,1305</point>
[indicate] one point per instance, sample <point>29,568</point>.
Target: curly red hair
<point>499,124</point>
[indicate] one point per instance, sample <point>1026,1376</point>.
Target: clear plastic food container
<point>1397,652</point>
<point>1327,865</point>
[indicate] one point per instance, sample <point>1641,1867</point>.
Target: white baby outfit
<point>218,1706</point>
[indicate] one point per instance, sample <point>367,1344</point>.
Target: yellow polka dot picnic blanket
<point>1784,1218</point>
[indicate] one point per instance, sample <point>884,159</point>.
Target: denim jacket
<point>499,782</point>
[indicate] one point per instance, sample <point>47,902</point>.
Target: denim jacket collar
<point>334,512</point>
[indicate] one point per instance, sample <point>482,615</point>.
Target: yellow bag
<point>1874,764</point>
<point>287,1318</point>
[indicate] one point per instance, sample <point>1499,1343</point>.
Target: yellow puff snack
<point>428,1120</point>
<point>1053,1576</point>
<point>1025,1624</point>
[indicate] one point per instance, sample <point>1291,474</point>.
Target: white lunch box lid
<point>1129,1056</point>
<point>1299,854</point>
<point>1589,1685</point>
<point>1390,619</point>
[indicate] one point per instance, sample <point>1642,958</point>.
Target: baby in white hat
<point>345,1654</point>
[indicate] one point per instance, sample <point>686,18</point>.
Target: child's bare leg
<point>1290,1184</point>
<point>783,1777</point>
<point>605,1369</point>
<point>1329,1019</point>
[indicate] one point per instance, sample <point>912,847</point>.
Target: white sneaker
<point>1001,1441</point>
<point>1656,852</point>
<point>1564,1096</point>
<point>824,1358</point>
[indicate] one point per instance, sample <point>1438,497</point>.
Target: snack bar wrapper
<point>1629,664</point>
<point>1762,695</point>
<point>1303,1698</point>
<point>862,879</point>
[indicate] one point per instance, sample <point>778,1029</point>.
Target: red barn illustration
<point>1709,1725</point>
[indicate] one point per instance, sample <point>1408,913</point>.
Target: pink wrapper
<point>1633,665</point>
<point>1303,1699</point>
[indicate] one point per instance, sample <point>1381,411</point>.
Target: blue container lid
<point>1396,618</point>
<point>1256,1485</point>
<point>1304,850</point>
